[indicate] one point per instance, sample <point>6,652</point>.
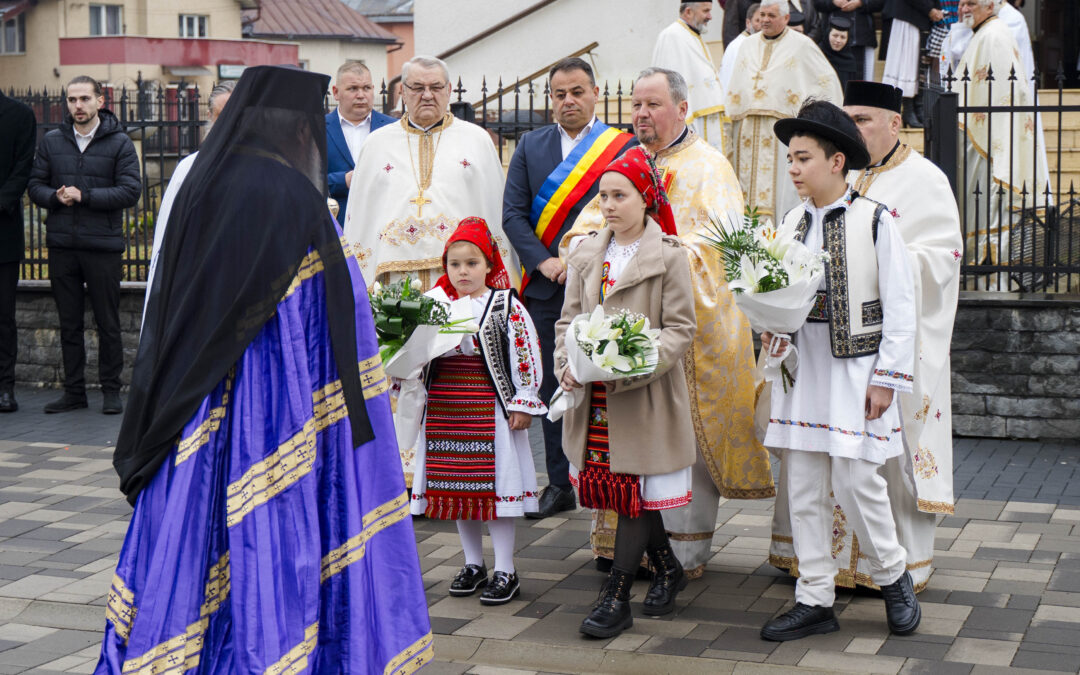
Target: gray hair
<point>223,88</point>
<point>781,5</point>
<point>425,62</point>
<point>994,5</point>
<point>683,6</point>
<point>675,82</point>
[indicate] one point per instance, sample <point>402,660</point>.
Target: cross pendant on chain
<point>419,201</point>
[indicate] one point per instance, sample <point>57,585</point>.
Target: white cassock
<point>680,48</point>
<point>727,63</point>
<point>409,190</point>
<point>772,79</point>
<point>919,481</point>
<point>1006,141</point>
<point>179,174</point>
<point>831,453</point>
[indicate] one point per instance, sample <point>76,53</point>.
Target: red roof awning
<point>9,9</point>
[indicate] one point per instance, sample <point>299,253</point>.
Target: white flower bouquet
<point>605,347</point>
<point>775,279</point>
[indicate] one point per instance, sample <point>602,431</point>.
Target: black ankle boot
<point>901,606</point>
<point>668,579</point>
<point>911,121</point>
<point>611,614</point>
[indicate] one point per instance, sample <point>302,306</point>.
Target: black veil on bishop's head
<point>252,206</point>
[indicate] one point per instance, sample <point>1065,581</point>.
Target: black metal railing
<point>1021,232</point>
<point>165,124</point>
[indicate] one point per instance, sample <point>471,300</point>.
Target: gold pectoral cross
<point>419,201</point>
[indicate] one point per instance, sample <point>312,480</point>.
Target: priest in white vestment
<point>731,52</point>
<point>923,209</point>
<point>776,71</point>
<point>416,179</point>
<point>999,148</point>
<point>681,48</point>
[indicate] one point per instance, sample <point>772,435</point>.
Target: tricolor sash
<point>572,179</point>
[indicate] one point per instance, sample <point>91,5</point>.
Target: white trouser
<point>863,497</point>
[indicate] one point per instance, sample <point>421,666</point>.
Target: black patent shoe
<point>668,579</point>
<point>503,588</point>
<point>65,403</point>
<point>468,580</point>
<point>610,615</point>
<point>800,621</point>
<point>8,402</point>
<point>901,606</point>
<point>553,499</point>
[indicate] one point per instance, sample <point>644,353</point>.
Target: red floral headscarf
<point>642,172</point>
<point>475,231</point>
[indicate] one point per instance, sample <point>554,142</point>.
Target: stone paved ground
<point>1005,595</point>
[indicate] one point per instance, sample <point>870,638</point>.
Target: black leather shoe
<point>112,404</point>
<point>799,622</point>
<point>65,403</point>
<point>468,580</point>
<point>901,606</point>
<point>668,579</point>
<point>8,402</point>
<point>553,500</point>
<point>503,588</point>
<point>611,613</point>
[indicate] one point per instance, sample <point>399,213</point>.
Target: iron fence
<point>1021,227</point>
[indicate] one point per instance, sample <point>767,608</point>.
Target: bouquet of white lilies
<point>775,279</point>
<point>605,347</point>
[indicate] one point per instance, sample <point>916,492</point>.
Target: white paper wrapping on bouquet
<point>585,370</point>
<point>780,312</point>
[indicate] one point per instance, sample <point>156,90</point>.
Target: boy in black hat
<point>839,421</point>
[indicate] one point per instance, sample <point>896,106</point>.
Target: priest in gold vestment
<point>720,366</point>
<point>416,179</point>
<point>776,71</point>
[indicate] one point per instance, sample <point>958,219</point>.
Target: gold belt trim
<point>181,653</point>
<point>380,518</point>
<point>295,661</point>
<point>409,661</point>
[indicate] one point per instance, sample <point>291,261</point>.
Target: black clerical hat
<point>873,95</point>
<point>824,119</point>
<point>796,18</point>
<point>839,22</point>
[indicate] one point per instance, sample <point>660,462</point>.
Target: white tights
<point>502,540</point>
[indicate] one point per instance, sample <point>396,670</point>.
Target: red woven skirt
<point>598,487</point>
<point>460,432</point>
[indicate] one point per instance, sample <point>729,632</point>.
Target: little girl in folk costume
<point>473,460</point>
<point>631,447</point>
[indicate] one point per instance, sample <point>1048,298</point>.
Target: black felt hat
<point>824,119</point>
<point>839,22</point>
<point>796,18</point>
<point>873,95</point>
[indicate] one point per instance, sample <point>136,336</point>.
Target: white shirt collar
<point>581,134</point>
<point>366,122</point>
<point>88,135</point>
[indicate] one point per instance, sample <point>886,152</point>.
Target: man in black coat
<point>862,38</point>
<point>17,138</point>
<point>86,173</point>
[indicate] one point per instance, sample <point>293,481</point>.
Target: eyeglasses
<point>435,89</point>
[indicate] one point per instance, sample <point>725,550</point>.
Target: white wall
<point>325,56</point>
<point>625,29</point>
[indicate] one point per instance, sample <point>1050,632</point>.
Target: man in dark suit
<point>553,174</point>
<point>17,141</point>
<point>349,126</point>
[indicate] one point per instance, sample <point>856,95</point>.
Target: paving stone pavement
<point>1004,596</point>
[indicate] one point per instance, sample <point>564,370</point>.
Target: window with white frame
<point>13,36</point>
<point>193,25</point>
<point>106,19</point>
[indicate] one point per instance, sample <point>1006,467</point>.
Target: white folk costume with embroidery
<point>1006,140</point>
<point>514,475</point>
<point>680,48</point>
<point>920,480</point>
<point>409,190</point>
<point>721,372</point>
<point>772,79</point>
<point>830,453</point>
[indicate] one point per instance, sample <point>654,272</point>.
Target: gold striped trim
<point>380,518</point>
<point>783,539</point>
<point>295,661</point>
<point>413,658</point>
<point>845,578</point>
<point>266,479</point>
<point>200,437</point>
<point>935,507</point>
<point>120,609</point>
<point>311,265</point>
<point>689,536</point>
<point>181,653</point>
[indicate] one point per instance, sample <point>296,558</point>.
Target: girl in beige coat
<point>632,446</point>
